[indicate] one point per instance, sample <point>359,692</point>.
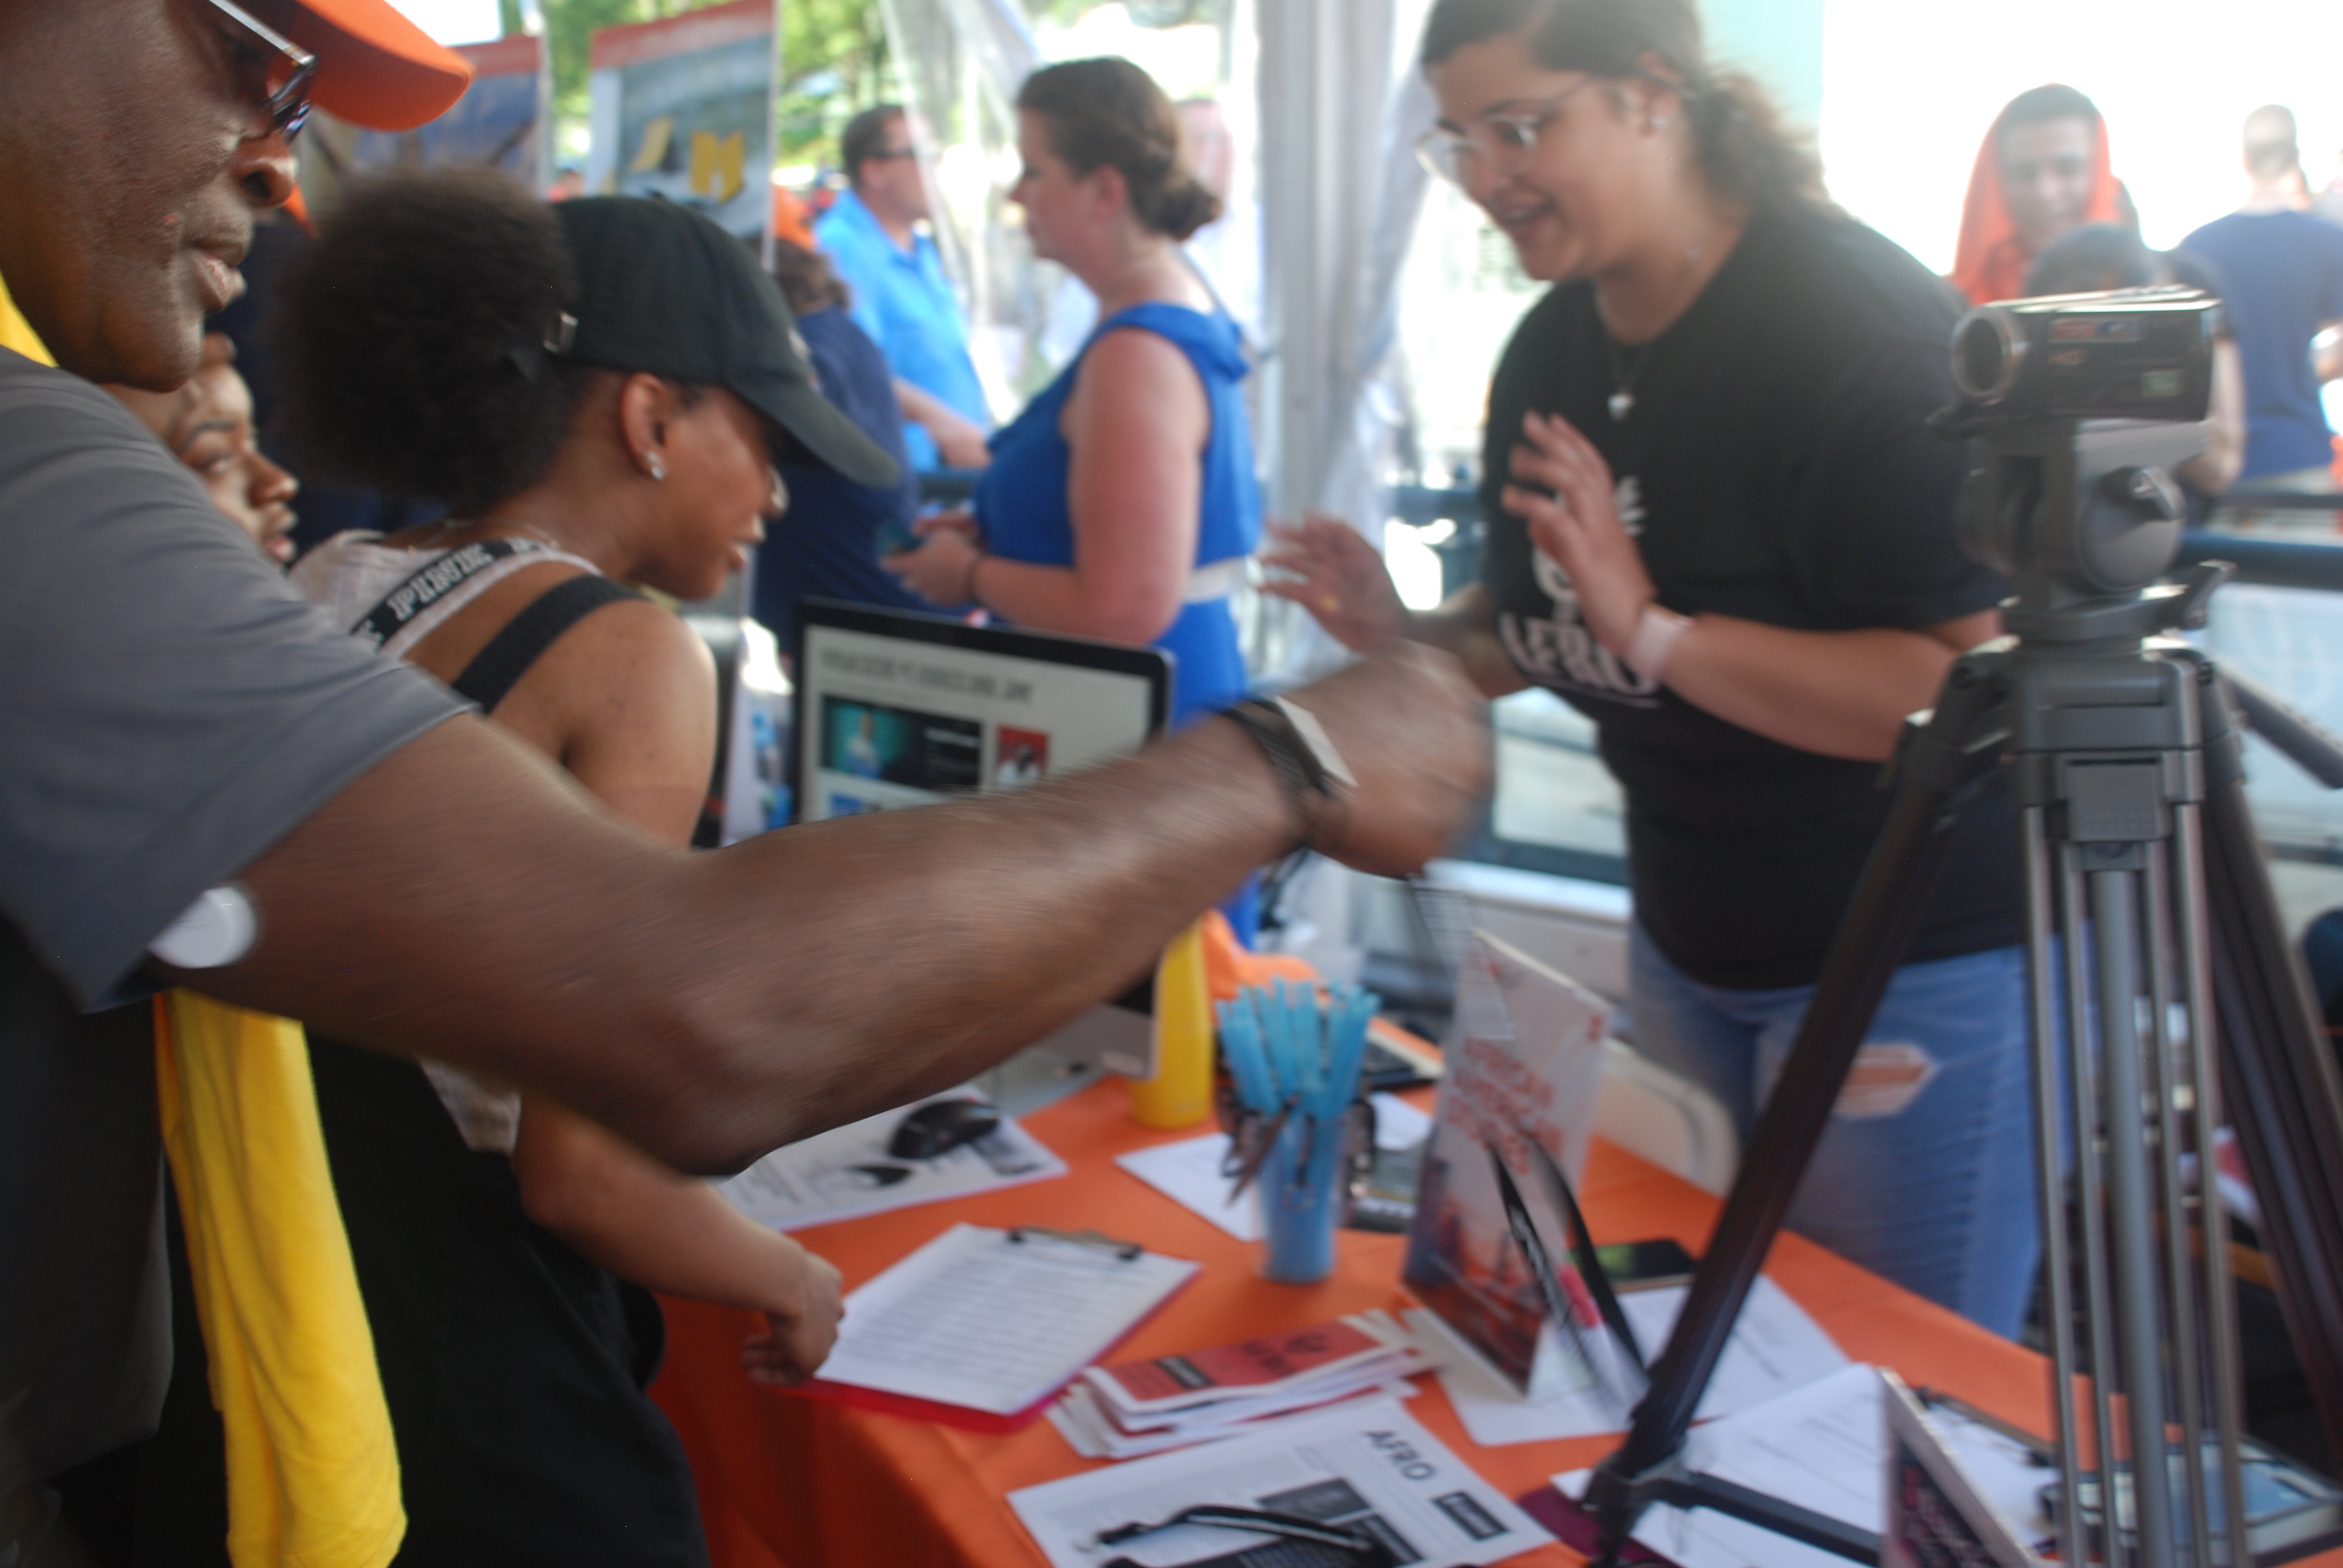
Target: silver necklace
<point>1623,378</point>
<point>455,524</point>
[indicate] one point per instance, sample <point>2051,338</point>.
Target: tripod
<point>2149,920</point>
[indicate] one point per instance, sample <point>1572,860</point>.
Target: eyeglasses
<point>271,68</point>
<point>1302,1543</point>
<point>1506,133</point>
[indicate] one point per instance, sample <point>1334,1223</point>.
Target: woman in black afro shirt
<point>1719,527</point>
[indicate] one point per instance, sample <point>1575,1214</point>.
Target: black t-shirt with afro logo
<point>1776,465</point>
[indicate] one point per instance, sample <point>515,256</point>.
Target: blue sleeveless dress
<point>1022,506</point>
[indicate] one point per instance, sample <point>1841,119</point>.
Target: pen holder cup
<point>1304,1189</point>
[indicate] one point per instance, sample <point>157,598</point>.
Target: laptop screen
<point>899,709</point>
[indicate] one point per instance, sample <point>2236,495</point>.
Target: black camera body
<point>2081,406</point>
<point>2131,354</point>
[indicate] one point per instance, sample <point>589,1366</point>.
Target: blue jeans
<point>1927,1174</point>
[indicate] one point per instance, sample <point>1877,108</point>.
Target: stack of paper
<point>1145,1407</point>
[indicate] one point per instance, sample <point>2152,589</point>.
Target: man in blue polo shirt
<point>2284,269</point>
<point>901,297</point>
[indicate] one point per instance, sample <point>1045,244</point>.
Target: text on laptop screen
<point>904,710</point>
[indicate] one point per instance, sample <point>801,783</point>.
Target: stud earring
<point>1657,122</point>
<point>657,465</point>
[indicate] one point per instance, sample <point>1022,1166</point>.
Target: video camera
<point>2131,354</point>
<point>2083,404</point>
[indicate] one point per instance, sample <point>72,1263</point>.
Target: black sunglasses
<point>1298,1542</point>
<point>282,69</point>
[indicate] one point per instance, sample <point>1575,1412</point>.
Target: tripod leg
<point>1787,1519</point>
<point>2083,1069</point>
<point>2116,932</point>
<point>2279,1078</point>
<point>2224,1366</point>
<point>2040,936</point>
<point>1939,765</point>
<point>2171,1089</point>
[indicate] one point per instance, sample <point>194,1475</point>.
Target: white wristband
<point>1656,631</point>
<point>214,931</point>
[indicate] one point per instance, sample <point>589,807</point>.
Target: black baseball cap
<point>664,291</point>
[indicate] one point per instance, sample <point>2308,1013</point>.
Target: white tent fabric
<point>1336,77</point>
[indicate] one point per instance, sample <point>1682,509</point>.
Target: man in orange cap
<point>203,783</point>
<point>2042,172</point>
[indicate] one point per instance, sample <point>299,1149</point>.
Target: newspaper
<point>1365,1465</point>
<point>847,1172</point>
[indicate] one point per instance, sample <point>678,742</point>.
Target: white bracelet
<point>1656,630</point>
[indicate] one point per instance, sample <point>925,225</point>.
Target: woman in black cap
<point>597,392</point>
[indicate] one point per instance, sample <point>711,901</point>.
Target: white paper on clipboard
<point>978,1320</point>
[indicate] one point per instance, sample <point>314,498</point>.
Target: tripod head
<point>2082,405</point>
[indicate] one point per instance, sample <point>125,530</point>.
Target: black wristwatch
<point>1310,769</point>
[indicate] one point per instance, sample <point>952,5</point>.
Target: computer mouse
<point>940,1126</point>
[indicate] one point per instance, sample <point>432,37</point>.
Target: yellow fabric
<point>312,1466</point>
<point>18,333</point>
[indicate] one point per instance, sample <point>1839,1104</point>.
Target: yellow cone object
<point>1180,1092</point>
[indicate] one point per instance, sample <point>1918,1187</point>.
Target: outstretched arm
<point>463,899</point>
<point>675,1235</point>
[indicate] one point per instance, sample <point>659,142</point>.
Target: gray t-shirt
<point>169,708</point>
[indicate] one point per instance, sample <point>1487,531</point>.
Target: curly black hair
<point>412,337</point>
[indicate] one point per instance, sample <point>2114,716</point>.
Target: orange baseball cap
<point>374,67</point>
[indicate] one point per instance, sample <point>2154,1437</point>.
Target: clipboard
<point>982,1328</point>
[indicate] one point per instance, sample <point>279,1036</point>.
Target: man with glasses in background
<point>203,783</point>
<point>900,295</point>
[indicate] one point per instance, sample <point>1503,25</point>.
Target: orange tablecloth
<point>805,1483</point>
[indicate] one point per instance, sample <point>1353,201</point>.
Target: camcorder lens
<point>1986,355</point>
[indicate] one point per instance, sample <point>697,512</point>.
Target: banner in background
<point>683,108</point>
<point>504,121</point>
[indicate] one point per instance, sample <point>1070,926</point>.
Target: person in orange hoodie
<point>2042,172</point>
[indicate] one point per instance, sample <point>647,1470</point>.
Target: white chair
<point>1664,1118</point>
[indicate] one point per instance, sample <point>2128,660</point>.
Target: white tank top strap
<point>1215,580</point>
<point>352,573</point>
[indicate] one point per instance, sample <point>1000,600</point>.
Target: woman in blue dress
<point>1122,503</point>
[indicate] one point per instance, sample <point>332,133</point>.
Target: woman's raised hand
<point>1331,571</point>
<point>1563,491</point>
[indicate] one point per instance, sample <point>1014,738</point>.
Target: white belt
<point>1215,580</point>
